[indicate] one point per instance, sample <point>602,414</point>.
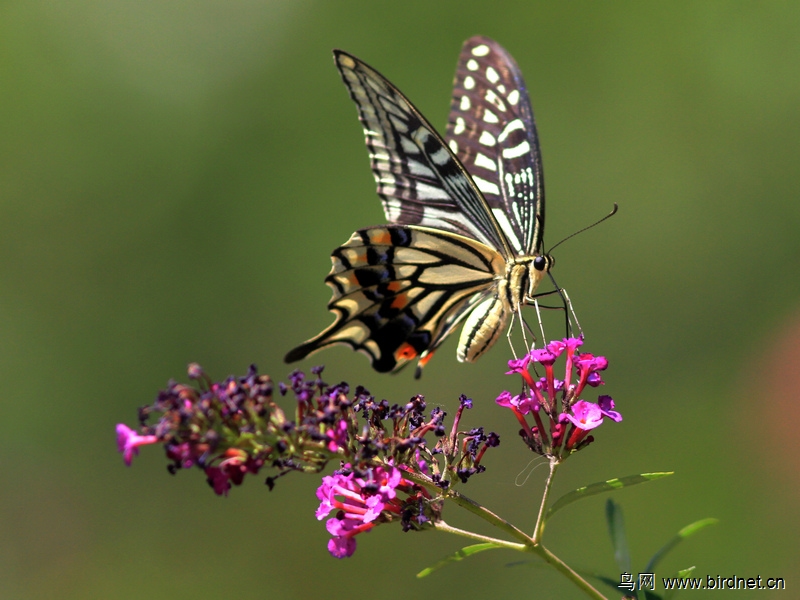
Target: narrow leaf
<point>457,556</point>
<point>684,533</point>
<point>674,592</point>
<point>601,487</point>
<point>619,540</point>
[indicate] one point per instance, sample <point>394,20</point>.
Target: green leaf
<point>682,573</point>
<point>601,487</point>
<point>686,572</point>
<point>684,533</point>
<point>619,541</point>
<point>457,556</point>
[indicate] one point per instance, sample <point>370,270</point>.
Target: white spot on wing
<point>495,99</point>
<point>398,124</point>
<point>519,150</point>
<point>417,168</point>
<point>421,135</point>
<point>441,156</point>
<point>472,64</point>
<point>430,192</point>
<point>481,50</point>
<point>483,161</point>
<point>490,117</point>
<point>392,208</point>
<point>465,103</point>
<point>492,75</point>
<point>512,126</point>
<point>487,139</point>
<point>460,126</point>
<point>469,82</point>
<point>501,88</point>
<point>453,146</point>
<point>408,146</point>
<point>487,187</point>
<point>513,97</point>
<point>510,184</point>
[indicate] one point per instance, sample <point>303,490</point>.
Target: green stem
<point>567,572</point>
<point>442,526</point>
<point>487,515</point>
<point>473,507</point>
<point>528,544</point>
<point>538,530</point>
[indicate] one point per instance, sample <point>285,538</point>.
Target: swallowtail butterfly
<point>466,216</point>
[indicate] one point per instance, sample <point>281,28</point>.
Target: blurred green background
<point>174,175</point>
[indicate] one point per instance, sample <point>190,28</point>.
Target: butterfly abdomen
<point>484,325</point>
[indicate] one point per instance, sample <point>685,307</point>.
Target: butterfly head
<point>535,271</point>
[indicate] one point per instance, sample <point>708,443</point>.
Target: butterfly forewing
<point>419,179</point>
<point>491,129</point>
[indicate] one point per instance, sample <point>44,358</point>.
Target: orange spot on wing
<point>405,352</point>
<point>400,302</point>
<point>394,286</point>
<point>381,237</point>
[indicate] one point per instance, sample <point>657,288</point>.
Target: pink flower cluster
<point>361,501</point>
<point>554,403</point>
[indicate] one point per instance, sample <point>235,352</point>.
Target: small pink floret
<point>585,415</point>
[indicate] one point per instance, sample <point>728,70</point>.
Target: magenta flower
<point>556,347</point>
<point>606,404</point>
<point>128,442</point>
<point>359,501</point>
<point>555,403</point>
<point>543,356</point>
<point>343,542</point>
<point>218,480</point>
<point>338,436</point>
<point>585,415</point>
<point>520,367</point>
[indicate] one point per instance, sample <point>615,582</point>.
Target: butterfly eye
<point>543,263</point>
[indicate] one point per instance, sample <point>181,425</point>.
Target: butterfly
<point>466,217</point>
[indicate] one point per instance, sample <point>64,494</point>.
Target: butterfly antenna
<point>608,216</point>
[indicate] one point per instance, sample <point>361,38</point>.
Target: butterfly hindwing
<point>491,129</point>
<point>398,291</point>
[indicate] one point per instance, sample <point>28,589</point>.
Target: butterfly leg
<point>508,334</point>
<point>572,312</point>
<point>566,307</point>
<point>541,326</point>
